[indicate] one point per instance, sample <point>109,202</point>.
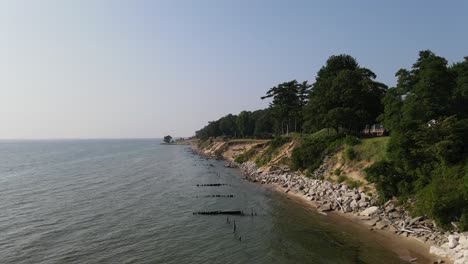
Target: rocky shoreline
<point>328,196</point>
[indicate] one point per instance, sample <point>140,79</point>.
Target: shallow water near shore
<point>132,201</point>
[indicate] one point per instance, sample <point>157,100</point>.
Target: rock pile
<point>339,197</point>
<point>456,248</point>
<point>230,165</point>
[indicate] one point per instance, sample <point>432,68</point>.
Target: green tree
<point>210,130</point>
<point>245,124</point>
<point>427,152</point>
<point>264,123</point>
<point>228,126</point>
<point>287,104</point>
<point>460,93</point>
<point>344,95</point>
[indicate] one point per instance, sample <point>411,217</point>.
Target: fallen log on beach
<point>219,213</point>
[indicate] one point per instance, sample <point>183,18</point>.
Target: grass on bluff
<point>326,132</point>
<point>248,140</point>
<point>371,149</point>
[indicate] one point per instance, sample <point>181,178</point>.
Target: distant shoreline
<point>182,142</point>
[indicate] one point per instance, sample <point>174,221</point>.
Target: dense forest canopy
<point>345,97</point>
<point>258,124</point>
<point>426,114</point>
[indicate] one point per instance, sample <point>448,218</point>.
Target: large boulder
<point>463,241</point>
<point>348,209</point>
<point>325,208</point>
<point>373,221</point>
<point>461,261</point>
<point>363,204</point>
<point>438,251</point>
<point>390,208</point>
<point>452,241</point>
<point>370,211</point>
<point>380,225</point>
<point>395,214</point>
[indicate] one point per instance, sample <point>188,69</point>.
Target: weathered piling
<point>217,195</point>
<point>218,213</point>
<point>212,184</point>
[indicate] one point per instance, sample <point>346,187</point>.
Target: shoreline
<point>408,248</point>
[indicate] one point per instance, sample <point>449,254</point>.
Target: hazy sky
<point>117,69</point>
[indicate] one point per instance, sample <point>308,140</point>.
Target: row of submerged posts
<point>229,213</point>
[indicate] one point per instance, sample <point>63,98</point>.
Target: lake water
<point>132,201</point>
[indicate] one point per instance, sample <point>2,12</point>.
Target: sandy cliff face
<point>267,160</point>
<point>227,149</point>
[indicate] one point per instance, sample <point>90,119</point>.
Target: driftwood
<point>339,204</point>
<point>406,230</point>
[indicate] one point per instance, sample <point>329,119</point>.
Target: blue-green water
<point>131,201</point>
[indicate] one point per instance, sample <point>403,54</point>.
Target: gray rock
<point>395,215</point>
<point>461,261</point>
<point>371,211</point>
<point>364,198</point>
<point>325,208</point>
<point>452,241</point>
<point>363,204</point>
<point>414,220</point>
<point>380,225</point>
<point>392,228</point>
<point>348,209</point>
<point>390,208</point>
<point>373,221</point>
<point>463,241</point>
<point>438,251</point>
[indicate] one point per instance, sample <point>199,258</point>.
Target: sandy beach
<point>406,248</point>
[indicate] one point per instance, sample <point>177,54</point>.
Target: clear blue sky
<point>113,69</point>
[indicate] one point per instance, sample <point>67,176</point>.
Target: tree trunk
<point>295,124</point>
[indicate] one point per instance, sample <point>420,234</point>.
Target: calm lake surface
<point>131,201</point>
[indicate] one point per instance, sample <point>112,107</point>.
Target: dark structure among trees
<point>168,139</point>
<point>376,130</point>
